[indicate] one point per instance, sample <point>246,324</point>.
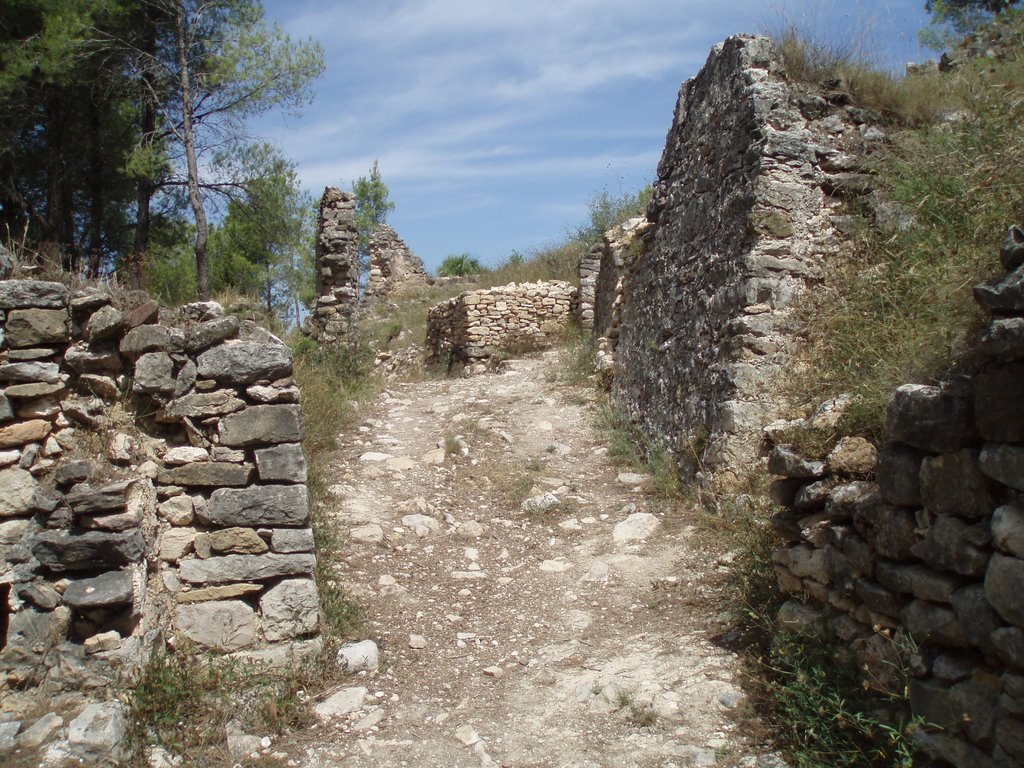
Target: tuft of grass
<point>628,444</point>
<point>575,355</point>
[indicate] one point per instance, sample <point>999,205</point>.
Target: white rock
<point>637,526</point>
<point>341,703</point>
<point>467,735</point>
<point>369,721</point>
<point>631,478</point>
<point>99,730</point>
<point>435,457</point>
<point>470,529</point>
<point>541,503</point>
<point>401,463</point>
<point>120,449</point>
<point>555,566</point>
<point>421,525</point>
<point>40,731</point>
<point>572,524</point>
<point>105,641</point>
<point>494,672</point>
<point>417,641</point>
<point>370,533</point>
<point>544,426</point>
<point>185,454</point>
<point>598,572</point>
<point>358,657</point>
<point>375,456</point>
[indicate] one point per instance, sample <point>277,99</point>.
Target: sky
<point>495,122</point>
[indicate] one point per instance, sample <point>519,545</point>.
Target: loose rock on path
<point>532,605</point>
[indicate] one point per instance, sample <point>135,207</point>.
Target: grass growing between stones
<point>629,445</point>
<point>897,306</point>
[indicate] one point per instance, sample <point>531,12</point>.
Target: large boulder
<point>245,362</point>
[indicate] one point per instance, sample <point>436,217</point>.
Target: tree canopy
<point>372,209</point>
<point>965,15</point>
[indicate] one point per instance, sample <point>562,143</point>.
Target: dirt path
<point>518,638</point>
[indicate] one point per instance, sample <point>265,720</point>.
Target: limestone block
<point>898,475</point>
<point>209,474</point>
<point>996,393</point>
<point>21,433</point>
<point>100,731</point>
<point>177,510</point>
<point>203,405</point>
<point>1003,463</point>
<point>917,580</point>
<point>108,589</point>
<point>286,505</point>
<point>37,327</point>
<point>17,489</point>
<point>82,359</point>
<point>104,324</point>
<point>210,333</point>
<point>154,373</point>
<point>84,499</point>
<point>853,456</point>
<point>66,551</point>
<point>236,541</point>
<point>954,484</point>
<point>29,373</point>
<point>19,294</point>
<point>262,425</point>
<point>225,625</point>
<point>176,543</point>
<point>285,463</point>
<point>232,568</point>
<point>929,623</point>
<point>932,418</point>
<point>1003,581</point>
<point>289,610</point>
<point>244,362</point>
<point>950,544</point>
<point>289,540</point>
<point>225,592</point>
<point>1008,530</point>
<point>786,462</point>
<point>145,338</point>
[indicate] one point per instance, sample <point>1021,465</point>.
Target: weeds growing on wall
<point>898,305</point>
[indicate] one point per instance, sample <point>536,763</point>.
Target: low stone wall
<point>152,483</point>
<point>337,268</point>
<point>924,553</point>
<point>476,324</point>
<point>589,269</point>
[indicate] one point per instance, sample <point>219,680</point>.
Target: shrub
<point>461,265</point>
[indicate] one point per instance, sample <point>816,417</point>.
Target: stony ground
<point>580,631</point>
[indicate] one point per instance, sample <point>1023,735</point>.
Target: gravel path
<point>578,632</point>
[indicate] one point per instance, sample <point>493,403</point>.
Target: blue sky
<point>495,122</point>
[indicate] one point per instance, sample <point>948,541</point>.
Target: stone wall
<point>337,268</point>
<point>589,270</point>
<point>927,543</point>
<point>742,220</point>
<point>475,325</point>
<point>393,267</point>
<point>152,483</point>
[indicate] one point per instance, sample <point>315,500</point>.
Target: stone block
<point>917,580</point>
<point>154,373</point>
<point>286,463</point>
<point>17,492</point>
<point>853,457</point>
<point>954,484</point>
<point>262,425</point>
<point>950,544</point>
<point>84,499</point>
<point>1007,530</point>
<point>66,551</point>
<point>997,393</point>
<point>933,702</point>
<point>176,543</point>
<point>37,327</point>
<point>1003,463</point>
<point>19,294</point>
<point>232,568</point>
<point>898,475</point>
<point>1004,587</point>
<point>245,362</point>
<point>234,541</point>
<point>29,373</point>
<point>289,610</point>
<point>145,338</point>
<point>202,405</point>
<point>104,324</point>
<point>108,589</point>
<point>935,419</point>
<point>929,623</point>
<point>207,474</point>
<point>786,462</point>
<point>211,332</point>
<point>289,540</point>
<point>224,625</point>
<point>273,505</point>
<point>891,531</point>
<point>975,701</point>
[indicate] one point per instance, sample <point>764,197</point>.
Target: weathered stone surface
<point>950,750</point>
<point>853,457</point>
<point>786,462</point>
<point>225,625</point>
<point>286,505</point>
<point>209,474</point>
<point>20,433</point>
<point>950,544</point>
<point>362,656</point>
<point>1004,338</point>
<point>917,580</point>
<point>67,551</point>
<point>146,312</point>
<point>29,373</point>
<point>262,425</point>
<point>975,615</point>
<point>110,588</point>
<point>1009,644</point>
<point>99,731</point>
<point>105,324</point>
<point>177,510</point>
<point>261,393</point>
<point>975,701</point>
<point>890,530</point>
<point>225,592</point>
<point>37,327</point>
<point>211,332</point>
<point>954,484</point>
<point>289,610</point>
<point>201,311</point>
<point>289,540</point>
<point>1003,463</point>
<point>229,568</point>
<point>234,541</point>
<point>202,405</point>
<point>84,499</point>
<point>1004,581</point>
<point>145,338</point>
<point>997,393</point>
<point>286,463</point>
<point>154,373</point>
<point>82,359</point>
<point>18,294</point>
<point>17,491</point>
<point>844,500</point>
<point>932,418</point>
<point>1002,296</point>
<point>933,702</point>
<point>40,731</point>
<point>930,623</point>
<point>176,543</point>
<point>1008,530</point>
<point>185,454</point>
<point>30,391</point>
<point>243,362</point>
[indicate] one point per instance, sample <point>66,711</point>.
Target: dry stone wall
<point>743,218</point>
<point>152,482</point>
<point>393,267</point>
<point>923,550</point>
<point>475,325</point>
<point>337,268</point>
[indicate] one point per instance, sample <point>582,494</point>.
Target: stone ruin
<point>476,325</point>
<point>152,484</point>
<point>926,540</point>
<point>337,268</point>
<point>393,267</point>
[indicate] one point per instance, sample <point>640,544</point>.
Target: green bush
<point>461,265</point>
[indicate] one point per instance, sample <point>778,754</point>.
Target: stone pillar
<point>392,265</point>
<point>337,267</point>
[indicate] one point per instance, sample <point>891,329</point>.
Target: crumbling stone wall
<point>742,222</point>
<point>476,324</point>
<point>589,269</point>
<point>152,481</point>
<point>337,268</point>
<point>393,267</point>
<point>927,545</point>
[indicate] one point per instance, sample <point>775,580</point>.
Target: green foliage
<point>629,444</point>
<point>372,209</point>
<point>964,16</point>
<point>576,355</point>
<point>607,211</point>
<point>461,265</point>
